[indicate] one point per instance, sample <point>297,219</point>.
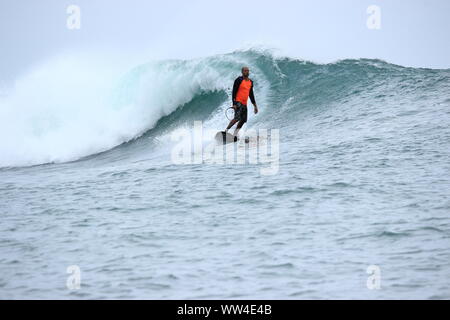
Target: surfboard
<point>225,137</point>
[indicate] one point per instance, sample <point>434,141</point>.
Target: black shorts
<point>240,114</point>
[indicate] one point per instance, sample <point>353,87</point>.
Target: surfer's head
<point>245,71</point>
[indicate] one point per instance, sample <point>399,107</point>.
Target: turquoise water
<point>362,179</point>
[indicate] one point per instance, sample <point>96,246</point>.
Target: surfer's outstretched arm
<point>255,108</point>
<point>252,99</point>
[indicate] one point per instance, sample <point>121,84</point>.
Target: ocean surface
<point>353,202</point>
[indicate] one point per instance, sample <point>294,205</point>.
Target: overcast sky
<point>413,32</point>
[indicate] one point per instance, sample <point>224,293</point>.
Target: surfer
<point>242,90</point>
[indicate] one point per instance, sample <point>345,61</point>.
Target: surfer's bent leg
<point>242,117</point>
<point>238,127</point>
<point>236,116</point>
<point>232,122</point>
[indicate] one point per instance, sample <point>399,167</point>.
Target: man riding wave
<point>242,90</point>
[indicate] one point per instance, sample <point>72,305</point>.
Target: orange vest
<point>244,91</point>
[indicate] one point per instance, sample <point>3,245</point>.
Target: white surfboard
<point>223,137</point>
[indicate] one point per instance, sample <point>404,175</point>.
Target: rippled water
<point>151,230</point>
<point>360,183</point>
